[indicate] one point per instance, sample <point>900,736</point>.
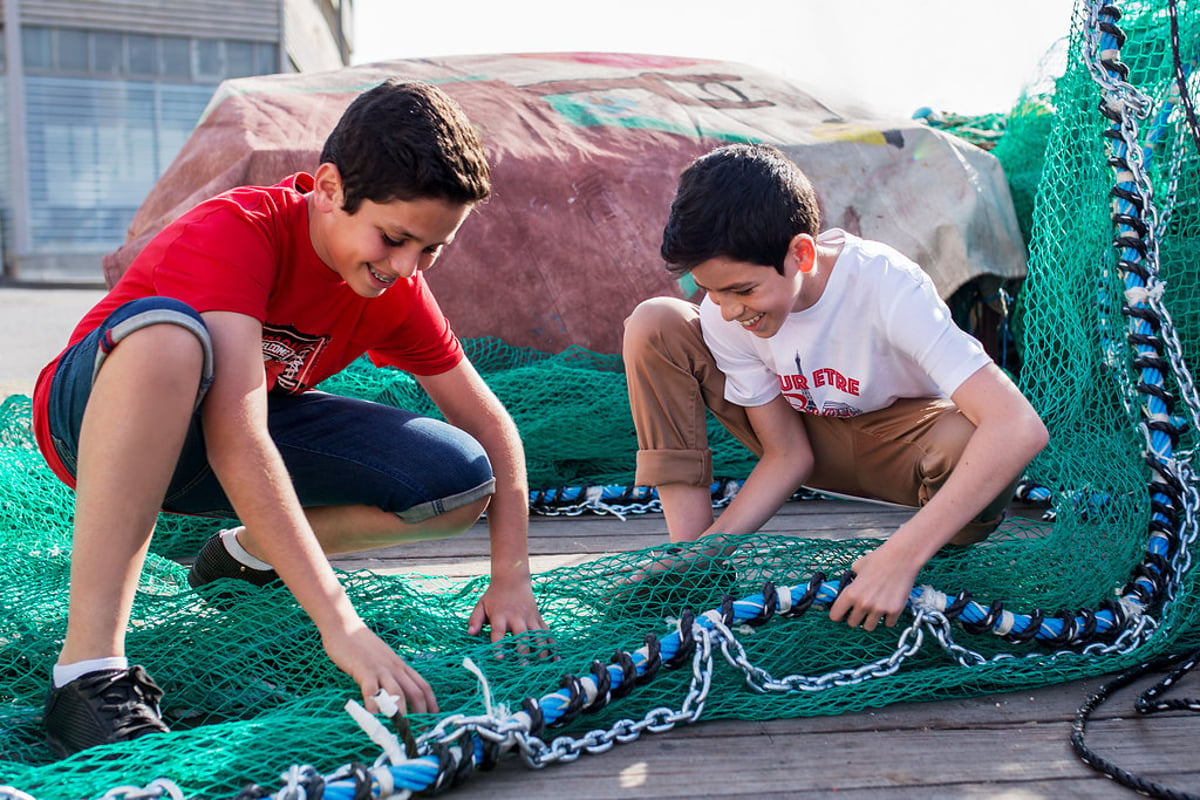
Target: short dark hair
<point>407,141</point>
<point>745,202</point>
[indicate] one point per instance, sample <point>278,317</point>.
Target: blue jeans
<point>338,450</point>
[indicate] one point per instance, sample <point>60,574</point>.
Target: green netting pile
<point>1108,323</point>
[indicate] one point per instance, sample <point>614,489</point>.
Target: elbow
<point>1036,435</point>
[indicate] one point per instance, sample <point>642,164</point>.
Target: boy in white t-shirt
<point>895,401</point>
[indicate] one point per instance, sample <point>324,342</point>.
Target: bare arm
<point>1008,434</point>
<point>469,404</point>
<point>252,472</point>
<point>786,462</point>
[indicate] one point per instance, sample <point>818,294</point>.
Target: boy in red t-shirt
<point>187,390</point>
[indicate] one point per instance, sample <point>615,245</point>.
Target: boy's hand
<point>373,665</point>
<point>509,607</point>
<point>878,593</point>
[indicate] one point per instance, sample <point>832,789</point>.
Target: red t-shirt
<point>248,250</point>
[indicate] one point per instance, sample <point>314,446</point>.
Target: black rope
<point>491,754</point>
<point>603,680</point>
<point>770,604</point>
<point>575,699</point>
<point>1147,703</point>
<point>537,718</point>
<point>454,767</point>
<point>361,775</point>
<point>1181,79</point>
<point>727,613</point>
<point>687,642</point>
<point>628,674</point>
<point>653,660</point>
<point>808,598</point>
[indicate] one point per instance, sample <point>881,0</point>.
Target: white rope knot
<point>157,788</point>
<point>595,501</point>
<point>1143,295</point>
<point>375,730</point>
<point>929,599</point>
<point>783,599</point>
<point>497,713</point>
<point>13,793</point>
<point>1133,608</point>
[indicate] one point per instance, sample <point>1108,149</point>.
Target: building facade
<point>98,96</point>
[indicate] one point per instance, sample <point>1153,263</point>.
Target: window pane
<point>35,43</point>
<point>143,54</point>
<point>96,148</point>
<point>208,58</point>
<point>106,53</point>
<point>267,56</point>
<point>239,59</point>
<point>177,57</point>
<point>72,50</point>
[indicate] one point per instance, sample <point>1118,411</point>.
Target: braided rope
<point>1147,703</point>
<point>1181,74</point>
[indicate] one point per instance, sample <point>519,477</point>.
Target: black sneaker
<point>214,562</point>
<point>102,707</point>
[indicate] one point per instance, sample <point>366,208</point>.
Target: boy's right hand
<point>373,665</point>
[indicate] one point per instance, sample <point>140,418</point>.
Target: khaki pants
<point>901,454</point>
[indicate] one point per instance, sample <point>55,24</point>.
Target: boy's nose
<point>730,310</point>
<point>404,262</point>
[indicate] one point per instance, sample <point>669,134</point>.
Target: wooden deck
<point>1012,745</point>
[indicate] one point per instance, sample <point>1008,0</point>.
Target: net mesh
<point>249,691</point>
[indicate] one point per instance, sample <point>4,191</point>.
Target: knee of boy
<point>654,318</point>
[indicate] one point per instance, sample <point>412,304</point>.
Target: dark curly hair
<point>407,141</point>
<point>745,202</point>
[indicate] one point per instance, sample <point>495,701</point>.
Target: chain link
<point>1132,104</point>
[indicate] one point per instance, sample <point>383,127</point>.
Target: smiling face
<point>381,242</point>
<point>758,297</point>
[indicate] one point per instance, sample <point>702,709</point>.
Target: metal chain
<point>1122,97</point>
<point>513,732</point>
<point>592,499</point>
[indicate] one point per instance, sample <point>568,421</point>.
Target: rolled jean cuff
<point>660,467</point>
<point>429,510</point>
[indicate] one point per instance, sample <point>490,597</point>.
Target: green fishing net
<point>249,691</point>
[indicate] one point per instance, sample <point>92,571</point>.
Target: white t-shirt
<point>879,332</point>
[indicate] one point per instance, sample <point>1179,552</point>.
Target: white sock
<point>65,673</point>
<point>239,553</point>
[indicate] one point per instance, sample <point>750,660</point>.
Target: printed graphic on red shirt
<point>289,356</point>
<point>798,388</point>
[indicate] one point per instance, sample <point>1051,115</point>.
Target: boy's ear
<point>327,187</point>
<point>804,249</point>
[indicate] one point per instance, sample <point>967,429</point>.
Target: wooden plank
<point>990,747</point>
<point>599,535</point>
<point>570,541</point>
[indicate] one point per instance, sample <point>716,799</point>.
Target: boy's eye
<point>390,242</point>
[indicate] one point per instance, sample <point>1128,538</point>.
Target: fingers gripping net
<point>1108,321</point>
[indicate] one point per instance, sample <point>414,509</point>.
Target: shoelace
<point>132,696</point>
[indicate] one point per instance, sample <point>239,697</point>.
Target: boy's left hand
<point>508,607</point>
<point>878,593</point>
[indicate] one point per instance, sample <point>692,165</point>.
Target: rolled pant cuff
<point>425,511</point>
<point>977,530</point>
<point>659,467</point>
